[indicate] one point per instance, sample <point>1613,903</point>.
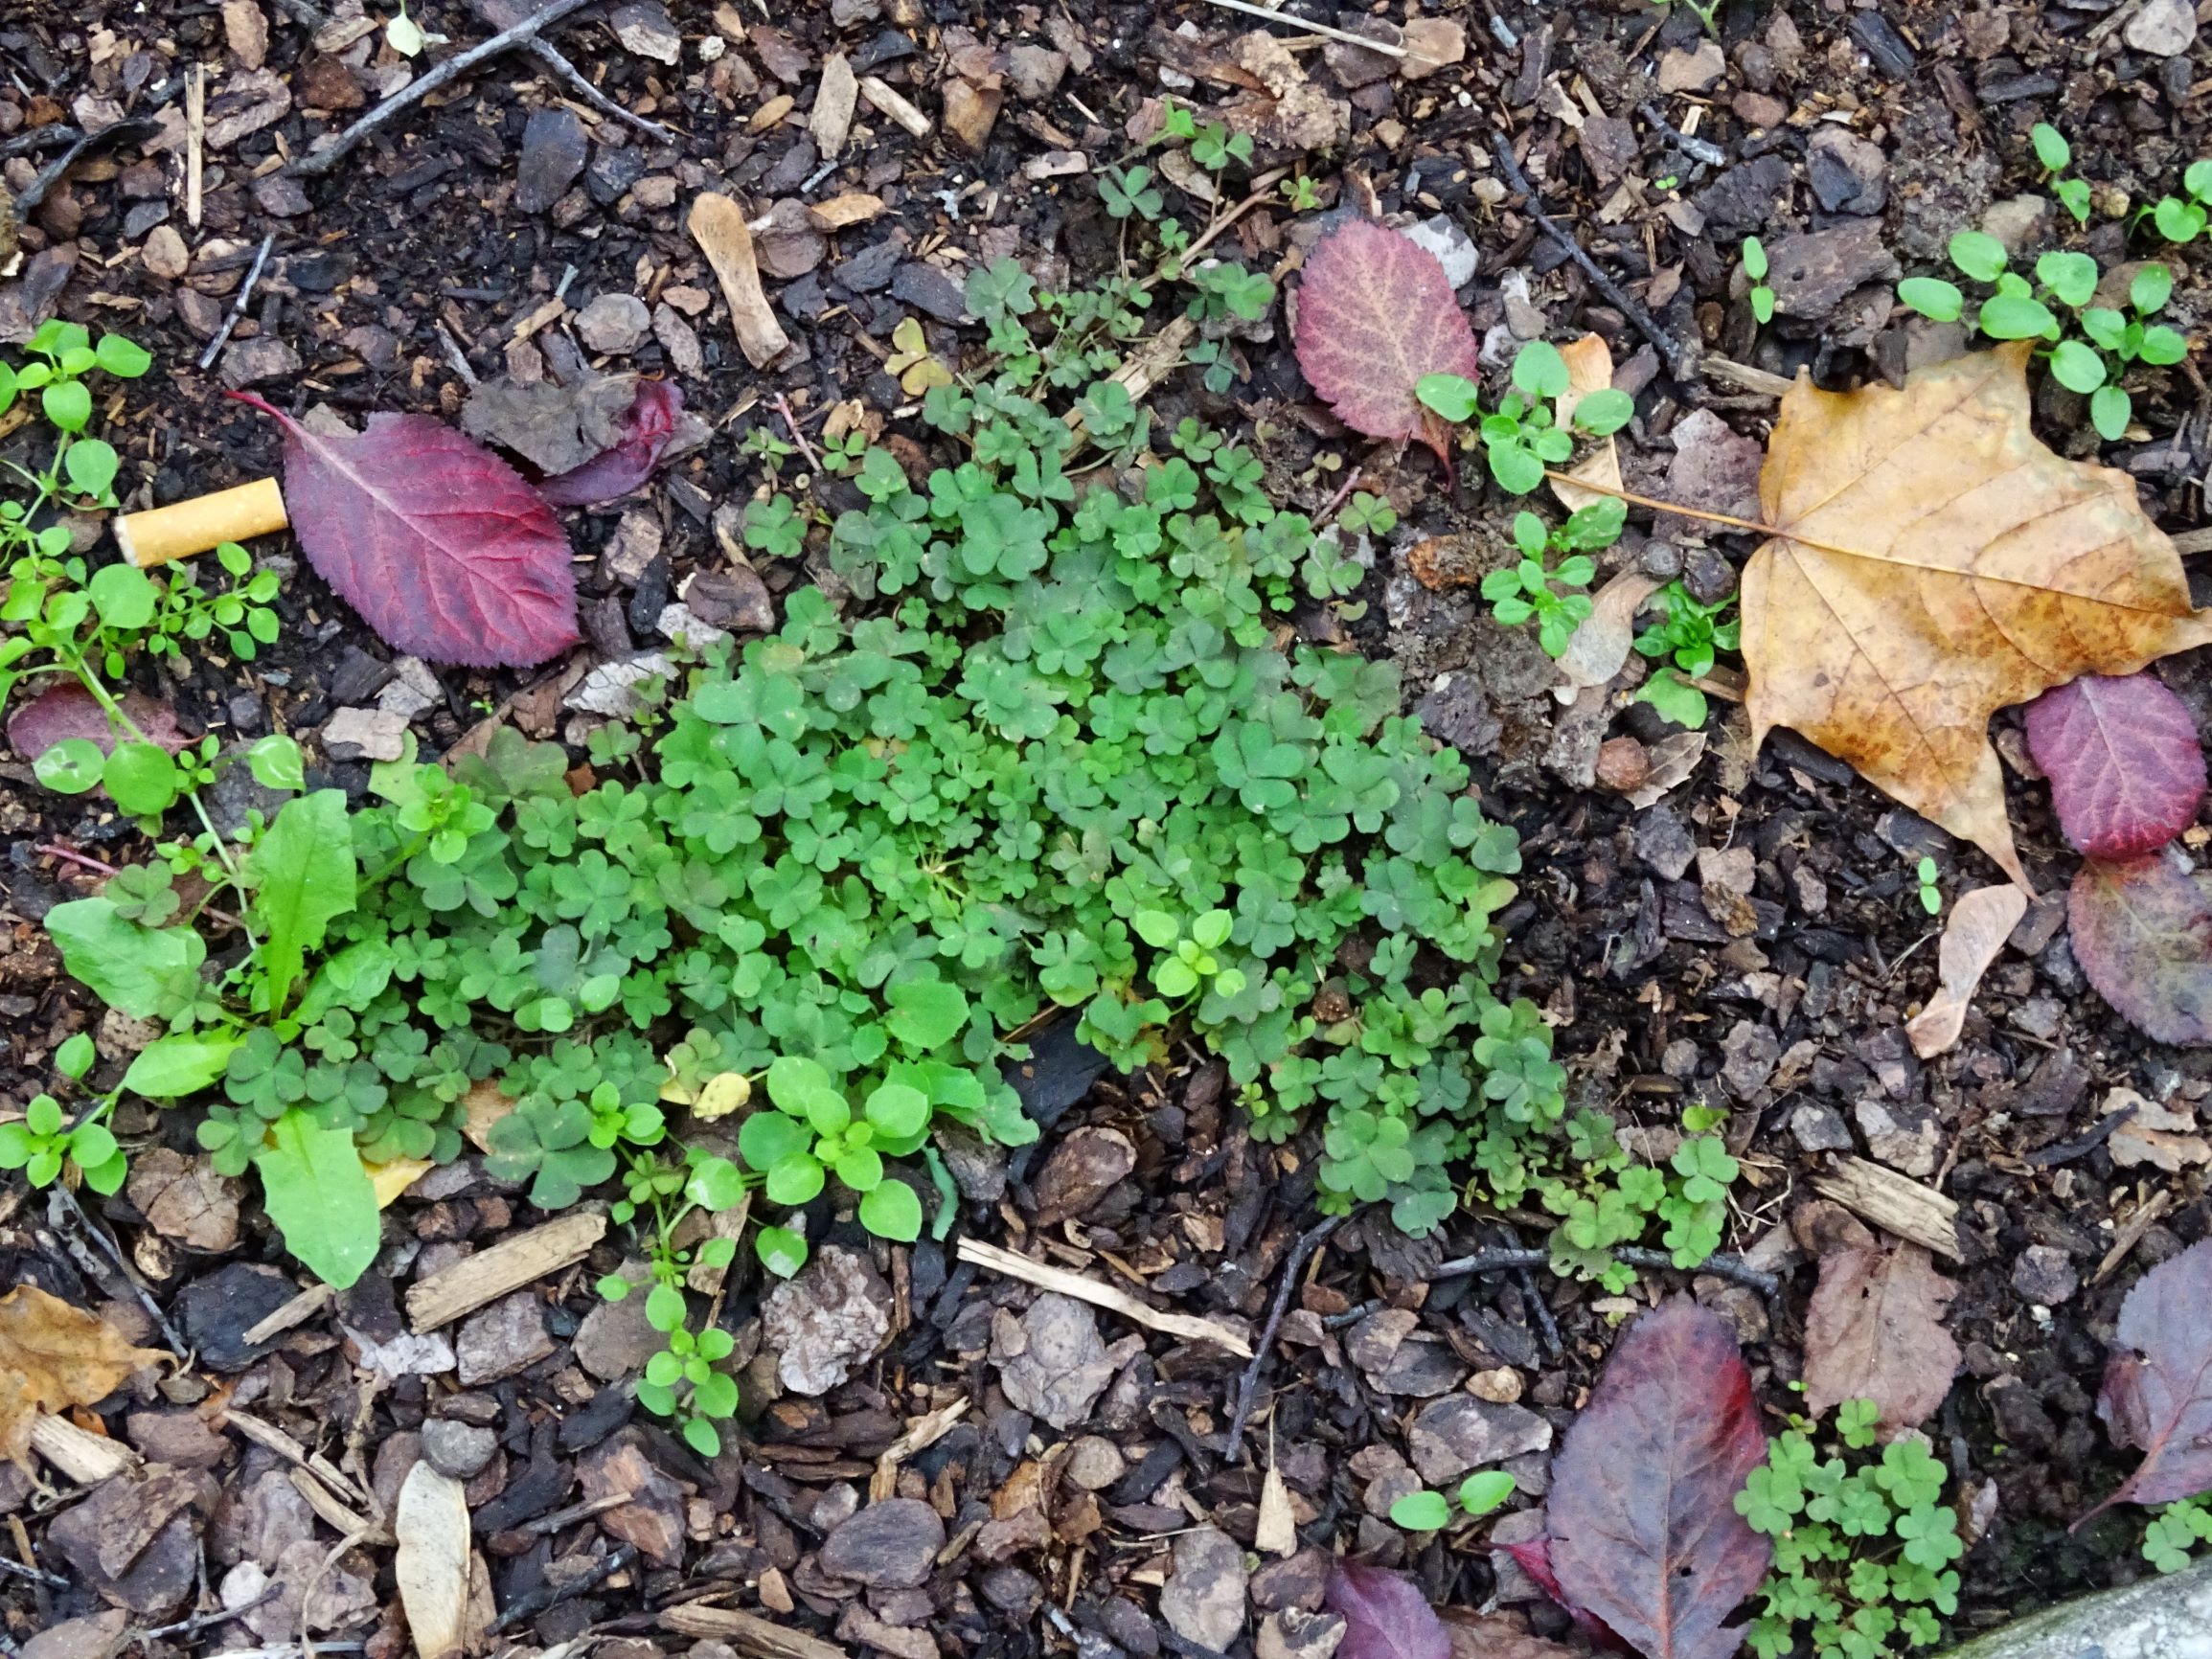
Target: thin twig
<point>200,1621</point>
<point>552,59</point>
<point>529,1606</point>
<point>122,132</point>
<point>108,1247</point>
<point>798,437</point>
<point>1696,148</point>
<point>1327,31</point>
<point>1679,357</point>
<point>34,1575</point>
<point>1546,1323</point>
<point>238,308</point>
<point>321,161</point>
<point>54,850</point>
<point>40,138</point>
<point>1294,1264</point>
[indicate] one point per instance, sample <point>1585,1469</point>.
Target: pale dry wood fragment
<point>2132,1233</point>
<point>1980,923</point>
<point>431,1569</point>
<point>1090,1290</point>
<point>480,1280</point>
<point>1893,1202</point>
<point>921,1434</point>
<point>1306,25</point>
<point>1743,375</point>
<point>332,1511</point>
<point>196,139</point>
<point>717,224</point>
<point>884,99</point>
<point>85,1457</point>
<point>747,1633</point>
<point>298,1310</point>
<point>843,212</point>
<point>830,121</point>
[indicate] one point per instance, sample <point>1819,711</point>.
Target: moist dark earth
<point>1754,940</point>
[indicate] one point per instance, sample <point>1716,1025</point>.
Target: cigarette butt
<point>184,527</point>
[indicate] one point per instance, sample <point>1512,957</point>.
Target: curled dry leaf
<point>1376,312</point>
<point>2142,931</point>
<point>1644,1528</point>
<point>440,546</point>
<point>645,434</point>
<point>1933,561</point>
<point>1674,758</point>
<point>1598,646</point>
<point>2154,1134</point>
<point>53,1357</point>
<point>717,224</point>
<point>2127,772</point>
<point>1590,362</point>
<point>1385,1615</point>
<point>1874,1330</point>
<point>1980,923</point>
<point>2157,1393</point>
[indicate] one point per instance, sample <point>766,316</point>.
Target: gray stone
<point>554,149</point>
<point>1203,1600</point>
<point>2016,221</point>
<point>822,1324</point>
<point>456,1449</point>
<point>257,362</point>
<point>887,1546</point>
<point>1905,1140</point>
<point>1818,1128</point>
<point>1847,173</point>
<point>2044,1274</point>
<point>1454,249</point>
<point>1811,271</point>
<point>1051,1361</point>
<point>2166,1616</point>
<point>1663,843</point>
<point>1292,1634</point>
<point>1460,1433</point>
<point>97,1636</point>
<point>1034,72</point>
<point>614,324</point>
<point>2163,27</point>
<point>930,289</point>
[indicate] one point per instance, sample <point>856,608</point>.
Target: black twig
<point>1696,148</point>
<point>238,306</point>
<point>63,1198</point>
<point>530,1606</point>
<point>39,138</point>
<point>321,161</point>
<point>583,87</point>
<point>36,1574</point>
<point>81,145</point>
<point>1733,1268</point>
<point>1546,1322</point>
<point>1679,357</point>
<point>1294,1264</point>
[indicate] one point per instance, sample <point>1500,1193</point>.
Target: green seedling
<point>1520,438</point>
<point>1685,638</point>
<point>2181,218</point>
<point>2057,155</point>
<point>1755,269</point>
<point>1925,872</point>
<point>1479,1495</point>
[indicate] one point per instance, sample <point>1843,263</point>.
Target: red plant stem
<point>798,437</point>
<point>1337,500</point>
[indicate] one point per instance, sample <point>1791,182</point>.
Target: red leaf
<point>1534,1558</point>
<point>647,427</point>
<point>438,544</point>
<point>1874,1330</point>
<point>2127,772</point>
<point>2142,932</point>
<point>1385,1617</point>
<point>1645,1531</point>
<point>1375,314</point>
<point>2158,1399</point>
<point>67,710</point>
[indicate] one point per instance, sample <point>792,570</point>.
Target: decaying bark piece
<point>748,1633</point>
<point>1105,1296</point>
<point>1893,1203</point>
<point>480,1280</point>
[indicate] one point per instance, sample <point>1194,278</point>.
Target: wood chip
<point>85,1457</point>
<point>1894,1203</point>
<point>885,101</point>
<point>830,121</point>
<point>1186,1325</point>
<point>843,212</point>
<point>480,1280</point>
<point>297,1311</point>
<point>717,224</point>
<point>747,1633</point>
<point>431,1525</point>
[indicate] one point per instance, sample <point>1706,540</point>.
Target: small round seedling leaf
<point>1451,396</point>
<point>768,1138</point>
<point>2164,345</point>
<point>91,467</point>
<point>797,1179</point>
<point>716,1184</point>
<point>125,360</point>
<point>899,1111</point>
<point>2110,409</point>
<point>2051,146</point>
<point>892,1212</point>
<point>67,405</point>
<point>781,1251</point>
<point>71,767</point>
<point>1932,298</point>
<point>1421,1512</point>
<point>1539,370</point>
<point>2150,290</point>
<point>275,763</point>
<point>1484,1491</point>
<point>1979,255</point>
<point>2077,367</point>
<point>2009,317</point>
<point>1603,412</point>
<point>122,595</point>
<point>2072,277</point>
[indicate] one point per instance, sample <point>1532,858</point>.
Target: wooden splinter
<point>205,522</point>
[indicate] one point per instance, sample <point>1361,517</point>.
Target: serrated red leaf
<point>2142,932</point>
<point>2157,1393</point>
<point>1644,1528</point>
<point>444,550</point>
<point>1534,1558</point>
<point>2127,771</point>
<point>647,427</point>
<point>67,710</point>
<point>1385,1615</point>
<point>1376,312</point>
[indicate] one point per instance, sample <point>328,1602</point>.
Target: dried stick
<point>83,145</point>
<point>538,1601</point>
<point>238,308</point>
<point>323,160</point>
<point>1327,31</point>
<point>62,1199</point>
<point>1679,357</point>
<point>552,59</point>
<point>1294,1264</point>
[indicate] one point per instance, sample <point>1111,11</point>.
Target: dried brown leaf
<point>717,224</point>
<point>1589,365</point>
<point>1933,563</point>
<point>53,1357</point>
<point>1874,1330</point>
<point>1980,923</point>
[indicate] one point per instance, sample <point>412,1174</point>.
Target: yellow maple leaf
<point>53,1357</point>
<point>1933,561</point>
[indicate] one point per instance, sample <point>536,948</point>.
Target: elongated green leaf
<point>303,874</point>
<point>144,972</point>
<point>179,1064</point>
<point>320,1197</point>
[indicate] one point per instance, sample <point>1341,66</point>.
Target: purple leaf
<point>2127,772</point>
<point>2158,1397</point>
<point>1534,1558</point>
<point>1385,1617</point>
<point>648,428</point>
<point>442,546</point>
<point>67,710</point>
<point>1645,1531</point>
<point>2142,932</point>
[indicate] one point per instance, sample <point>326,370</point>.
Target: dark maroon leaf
<point>2159,1398</point>
<point>1534,1558</point>
<point>2142,931</point>
<point>67,710</point>
<point>1385,1617</point>
<point>2127,772</point>
<point>647,429</point>
<point>1643,1517</point>
<point>440,546</point>
<point>1376,312</point>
